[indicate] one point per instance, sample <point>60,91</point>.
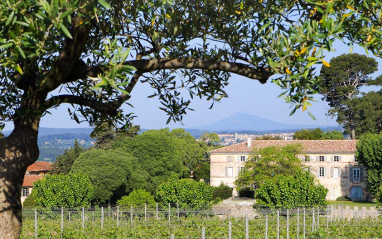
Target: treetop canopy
<point>95,52</point>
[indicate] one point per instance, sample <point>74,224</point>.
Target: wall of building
<point>337,186</point>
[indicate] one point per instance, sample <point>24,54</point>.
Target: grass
<point>352,204</point>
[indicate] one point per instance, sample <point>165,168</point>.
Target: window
<point>229,158</point>
<point>242,158</point>
<point>321,172</point>
<point>321,158</point>
<point>307,158</point>
<point>25,192</point>
<point>336,158</point>
<point>356,174</point>
<point>355,159</point>
<point>336,172</point>
<point>229,172</point>
<point>240,169</point>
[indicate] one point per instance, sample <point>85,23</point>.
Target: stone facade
<point>333,162</point>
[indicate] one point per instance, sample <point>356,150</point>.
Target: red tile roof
<point>40,167</point>
<point>30,179</point>
<point>309,146</point>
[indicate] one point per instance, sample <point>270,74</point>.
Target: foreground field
<point>190,225</point>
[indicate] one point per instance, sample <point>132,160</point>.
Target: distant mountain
<point>246,122</point>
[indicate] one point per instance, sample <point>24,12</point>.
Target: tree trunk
<point>352,133</point>
<point>17,152</point>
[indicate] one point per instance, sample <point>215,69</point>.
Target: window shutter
<point>331,172</point>
<point>317,158</point>
<point>339,172</point>
<point>325,158</point>
<point>351,174</point>
<point>318,171</point>
<point>331,158</point>
<point>238,158</point>
<point>361,174</point>
<point>339,158</point>
<point>325,174</point>
<point>226,172</point>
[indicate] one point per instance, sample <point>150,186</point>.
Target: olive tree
<point>91,54</point>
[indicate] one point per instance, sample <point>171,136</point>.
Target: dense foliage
<point>63,163</point>
<point>202,171</point>
<point>222,192</point>
<point>30,201</point>
<point>69,191</point>
<point>367,113</point>
<point>267,163</point>
<point>369,154</point>
<point>187,193</point>
<point>109,172</point>
<point>163,154</point>
<point>269,137</point>
<point>291,191</point>
<point>341,83</point>
<point>210,139</point>
<point>106,135</point>
<point>317,134</point>
<point>137,198</point>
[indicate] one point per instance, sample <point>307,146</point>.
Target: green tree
<point>163,154</point>
<point>334,134</point>
<point>308,134</point>
<point>369,154</point>
<point>106,134</point>
<point>202,171</point>
<point>186,192</point>
<point>266,163</point>
<point>269,137</point>
<point>81,47</point>
<point>110,173</point>
<point>64,162</point>
<point>317,134</point>
<point>69,191</point>
<point>137,198</point>
<point>211,139</point>
<point>291,191</point>
<point>368,113</point>
<point>341,83</point>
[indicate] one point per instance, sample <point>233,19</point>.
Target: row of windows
<point>356,173</point>
<point>307,158</point>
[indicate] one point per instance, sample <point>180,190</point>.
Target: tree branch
<point>261,74</point>
<point>106,108</point>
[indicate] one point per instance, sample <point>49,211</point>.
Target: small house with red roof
<point>34,172</point>
<point>333,162</point>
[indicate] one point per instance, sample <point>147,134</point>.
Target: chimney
<point>249,142</point>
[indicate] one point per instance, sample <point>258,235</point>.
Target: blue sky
<point>245,95</point>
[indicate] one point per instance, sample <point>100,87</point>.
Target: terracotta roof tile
<point>40,166</point>
<point>309,146</point>
<point>30,179</point>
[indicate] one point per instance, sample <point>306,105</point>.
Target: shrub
<point>222,192</point>
<point>186,192</point>
<point>299,190</point>
<point>344,198</point>
<point>137,198</point>
<point>69,191</point>
<point>30,201</point>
